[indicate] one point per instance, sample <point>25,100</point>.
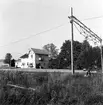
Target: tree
<point>8,58</point>
<point>64,57</point>
<point>89,57</point>
<point>85,45</point>
<point>82,58</point>
<point>13,62</point>
<point>53,63</point>
<point>52,49</point>
<point>97,56</point>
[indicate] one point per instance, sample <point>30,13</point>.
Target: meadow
<point>46,88</point>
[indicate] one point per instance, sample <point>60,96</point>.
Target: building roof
<point>40,51</point>
<point>24,56</point>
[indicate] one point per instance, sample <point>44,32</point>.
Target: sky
<point>20,19</point>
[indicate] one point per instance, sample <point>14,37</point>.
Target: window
<point>39,59</point>
<point>27,63</point>
<point>31,56</point>
<point>23,64</point>
<point>31,65</point>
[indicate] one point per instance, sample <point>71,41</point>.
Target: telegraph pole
<point>88,33</point>
<point>101,56</point>
<point>72,38</point>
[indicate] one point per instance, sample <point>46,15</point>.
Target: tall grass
<point>52,89</point>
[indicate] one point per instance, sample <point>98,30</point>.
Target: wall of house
<point>18,64</point>
<point>22,63</point>
<point>27,62</point>
<point>42,60</point>
<point>31,58</point>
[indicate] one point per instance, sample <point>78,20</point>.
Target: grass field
<point>50,88</point>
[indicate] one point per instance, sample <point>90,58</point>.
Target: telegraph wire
<point>47,31</point>
<point>77,28</point>
<point>83,34</point>
<point>93,18</point>
<point>39,33</point>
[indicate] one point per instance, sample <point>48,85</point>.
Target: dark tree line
<point>85,56</point>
